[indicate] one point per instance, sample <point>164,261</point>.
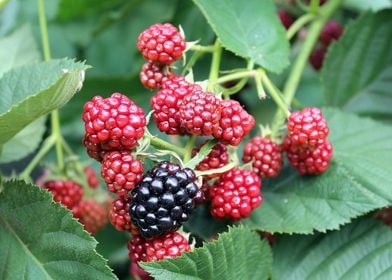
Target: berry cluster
<point>89,212</point>
<point>331,31</point>
<point>306,144</point>
<point>161,45</point>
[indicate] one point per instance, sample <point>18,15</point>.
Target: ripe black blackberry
<point>163,200</point>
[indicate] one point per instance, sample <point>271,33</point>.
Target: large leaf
<point>237,254</point>
<point>357,181</point>
<point>250,30</point>
<point>364,5</point>
<point>57,248</point>
<point>31,91</point>
<point>361,250</point>
<point>358,77</point>
<point>18,49</point>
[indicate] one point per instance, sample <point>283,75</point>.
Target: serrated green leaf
<point>24,142</point>
<point>18,49</point>
<point>364,78</point>
<point>57,248</point>
<point>31,91</point>
<point>361,250</point>
<point>251,31</point>
<point>357,181</point>
<point>237,254</point>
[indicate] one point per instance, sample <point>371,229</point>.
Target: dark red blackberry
<point>200,113</point>
<point>317,56</point>
<point>218,157</point>
<point>162,43</point>
<point>266,156</point>
<point>113,123</point>
<point>235,123</point>
<point>307,128</point>
<point>308,161</point>
<point>163,200</point>
<point>121,171</point>
<point>332,31</point>
<point>92,178</point>
<point>91,214</point>
<point>67,192</point>
<point>166,104</point>
<point>285,18</point>
<point>153,75</point>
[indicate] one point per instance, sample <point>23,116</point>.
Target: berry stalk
<point>299,65</point>
<point>298,24</point>
<point>215,63</point>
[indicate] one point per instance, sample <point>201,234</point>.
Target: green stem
<point>235,76</point>
<point>239,85</point>
<point>191,62</point>
<point>275,94</point>
<point>299,65</point>
<point>46,146</point>
<point>163,145</point>
<point>189,147</point>
<point>314,6</point>
<point>215,63</point>
<point>55,120</point>
<point>298,24</point>
<point>199,48</point>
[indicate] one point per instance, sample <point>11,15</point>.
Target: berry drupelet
<point>163,200</point>
<point>67,192</point>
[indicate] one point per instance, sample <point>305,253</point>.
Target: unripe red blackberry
<point>200,113</point>
<point>137,249</point>
<point>307,128</point>
<point>166,104</point>
<point>162,43</point>
<point>119,216</point>
<point>121,171</point>
<point>317,56</point>
<point>285,18</point>
<point>218,157</point>
<point>139,273</point>
<point>92,215</point>
<point>152,75</point>
<point>67,192</point>
<point>308,161</point>
<point>266,156</point>
<point>91,175</point>
<point>331,31</point>
<point>163,200</point>
<point>235,123</point>
<point>113,123</point>
<point>94,150</point>
<point>385,215</point>
<point>235,194</point>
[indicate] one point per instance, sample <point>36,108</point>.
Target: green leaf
<point>251,31</point>
<point>237,254</point>
<point>31,91</point>
<point>357,181</point>
<point>364,5</point>
<point>24,142</point>
<point>358,77</point>
<point>69,9</point>
<point>361,250</point>
<point>57,248</point>
<point>18,49</point>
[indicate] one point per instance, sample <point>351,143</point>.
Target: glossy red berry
<point>91,175</point>
<point>153,75</point>
<point>113,123</point>
<point>162,43</point>
<point>94,150</point>
<point>166,104</point>
<point>218,157</point>
<point>285,18</point>
<point>137,249</point>
<point>165,247</point>
<point>235,194</point>
<point>235,123</point>
<point>317,56</point>
<point>200,113</point>
<point>119,216</point>
<point>307,161</point>
<point>92,215</point>
<point>265,155</point>
<point>307,128</point>
<point>121,171</point>
<point>331,31</point>
<point>67,192</point>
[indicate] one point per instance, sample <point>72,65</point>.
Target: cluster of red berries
<point>307,147</point>
<point>331,31</point>
<point>89,212</point>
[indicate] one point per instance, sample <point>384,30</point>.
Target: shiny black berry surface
<point>164,199</point>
